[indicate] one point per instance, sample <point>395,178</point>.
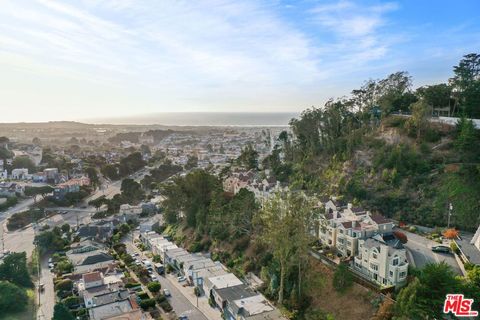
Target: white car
<point>167,293</point>
<point>181,279</point>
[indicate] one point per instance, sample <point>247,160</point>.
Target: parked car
<point>167,293</point>
<point>183,317</point>
<point>181,279</point>
<point>50,260</point>
<point>441,249</point>
<point>51,266</point>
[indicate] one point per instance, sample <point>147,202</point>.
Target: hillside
<point>401,176</point>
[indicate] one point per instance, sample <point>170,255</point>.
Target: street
<point>420,249</point>
<point>181,305</point>
<point>47,297</point>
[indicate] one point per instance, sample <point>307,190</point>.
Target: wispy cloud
<point>194,55</point>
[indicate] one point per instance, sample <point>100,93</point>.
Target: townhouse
<point>367,238</point>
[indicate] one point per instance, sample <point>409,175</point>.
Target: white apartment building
<point>355,232</point>
<point>383,260</point>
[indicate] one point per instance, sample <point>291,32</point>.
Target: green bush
<point>154,287</point>
<point>142,295</point>
<point>64,285</point>
<point>454,248</point>
<point>12,297</point>
<point>160,298</point>
<point>132,284</point>
<point>147,304</point>
<point>165,305</point>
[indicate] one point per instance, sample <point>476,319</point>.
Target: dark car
<point>441,249</point>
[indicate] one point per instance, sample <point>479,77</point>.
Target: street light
<point>450,208</point>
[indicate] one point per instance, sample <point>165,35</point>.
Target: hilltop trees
<point>466,81</point>
<point>12,297</point>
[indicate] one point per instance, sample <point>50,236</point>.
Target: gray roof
<point>96,258</point>
<point>110,297</point>
<point>231,294</point>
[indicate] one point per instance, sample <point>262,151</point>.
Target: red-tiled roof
<point>92,276</point>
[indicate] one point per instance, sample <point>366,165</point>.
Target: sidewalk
<point>203,305</point>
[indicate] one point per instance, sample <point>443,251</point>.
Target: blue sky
<point>67,60</point>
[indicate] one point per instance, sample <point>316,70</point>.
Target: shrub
<point>154,287</point>
<point>450,234</point>
<point>142,295</point>
<point>64,285</point>
<point>342,279</point>
<point>132,284</point>
<point>160,298</point>
<point>147,304</point>
<point>454,248</point>
<point>12,297</point>
<point>165,305</point>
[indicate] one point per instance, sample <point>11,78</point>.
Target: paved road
<point>47,297</point>
<point>421,250</point>
<point>180,304</point>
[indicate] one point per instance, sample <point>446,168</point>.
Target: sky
<point>73,60</point>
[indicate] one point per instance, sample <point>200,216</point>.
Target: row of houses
<point>72,185</point>
<point>100,284</point>
<point>236,300</point>
<point>366,239</point>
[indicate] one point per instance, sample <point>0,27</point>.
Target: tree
<point>65,228</point>
<point>249,157</point>
<point>110,171</point>
<point>466,135</point>
<point>466,82</point>
<point>284,223</point>
<point>192,162</point>
<point>342,278</point>
<point>61,312</point>
<point>12,298</point>
<point>421,111</point>
<point>14,269</point>
<point>450,234</point>
<point>23,162</point>
<point>400,236</point>
<point>34,191</point>
<point>474,276</point>
<point>131,190</point>
<point>154,287</point>
<point>436,96</point>
<point>406,307</point>
<point>93,176</point>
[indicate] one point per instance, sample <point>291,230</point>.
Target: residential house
<point>382,259</point>
<point>11,189</point>
<point>220,282</point>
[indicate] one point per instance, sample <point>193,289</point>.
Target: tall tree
<point>14,269</point>
<point>285,222</point>
<point>466,82</point>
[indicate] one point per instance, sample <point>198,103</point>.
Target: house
<point>255,307</point>
<point>113,309</point>
<point>224,296</point>
<point>198,276</point>
<point>88,260</point>
<point>220,282</point>
<point>95,232</point>
<point>129,209</point>
<point>11,189</point>
<point>51,175</point>
<point>72,185</point>
<point>341,226</point>
<point>92,279</point>
<point>20,174</point>
<point>382,259</point>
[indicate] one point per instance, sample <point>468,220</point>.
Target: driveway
<point>421,252</point>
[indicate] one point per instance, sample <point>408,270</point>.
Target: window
<point>395,261</point>
<point>374,255</point>
<point>373,267</point>
<point>391,274</point>
<point>341,231</point>
<point>403,274</point>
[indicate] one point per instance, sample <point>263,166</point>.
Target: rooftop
<point>253,305</point>
<point>223,281</point>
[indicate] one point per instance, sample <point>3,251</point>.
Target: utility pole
<point>450,208</point>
